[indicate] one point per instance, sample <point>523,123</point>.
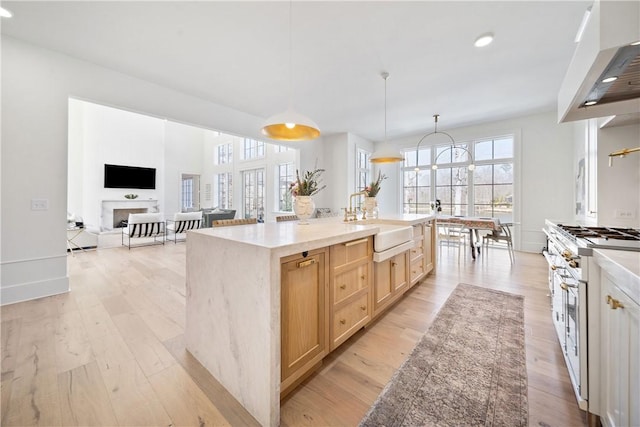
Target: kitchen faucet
<point>351,215</point>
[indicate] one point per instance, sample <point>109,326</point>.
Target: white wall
<point>544,172</point>
<point>36,86</point>
<point>618,185</point>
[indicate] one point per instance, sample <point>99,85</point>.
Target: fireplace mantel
<point>106,218</point>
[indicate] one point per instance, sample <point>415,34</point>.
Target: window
<point>282,148</point>
<point>493,179</point>
<point>187,193</point>
<point>363,171</point>
<point>253,186</point>
<point>253,149</point>
<point>225,190</point>
<point>190,192</point>
<point>225,154</point>
<point>286,176</point>
<point>417,181</point>
<point>485,191</point>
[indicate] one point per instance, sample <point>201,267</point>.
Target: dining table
<point>473,224</point>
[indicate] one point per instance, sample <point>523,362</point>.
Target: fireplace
<point>114,211</point>
<point>120,216</point>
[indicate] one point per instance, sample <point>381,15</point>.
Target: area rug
<point>469,369</point>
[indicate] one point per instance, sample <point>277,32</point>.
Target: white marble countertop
<point>320,232</point>
<point>623,267</point>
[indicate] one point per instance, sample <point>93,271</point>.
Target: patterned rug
<point>469,369</point>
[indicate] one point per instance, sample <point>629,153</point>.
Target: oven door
<point>575,331</point>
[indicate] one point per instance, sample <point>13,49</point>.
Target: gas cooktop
<point>604,237</point>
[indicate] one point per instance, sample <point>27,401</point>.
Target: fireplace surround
<point>117,210</point>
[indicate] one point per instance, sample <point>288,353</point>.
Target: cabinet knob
<point>363,307</point>
<point>343,286</point>
<point>393,264</point>
<point>342,321</point>
<point>614,303</point>
<point>363,277</point>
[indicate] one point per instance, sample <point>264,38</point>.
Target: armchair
<point>183,222</point>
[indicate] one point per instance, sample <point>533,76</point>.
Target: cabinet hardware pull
<point>393,264</point>
<point>363,307</point>
<point>342,321</point>
<point>356,242</point>
<point>306,263</point>
<point>363,277</point>
<point>564,286</point>
<point>343,286</point>
<point>553,267</point>
<point>614,303</point>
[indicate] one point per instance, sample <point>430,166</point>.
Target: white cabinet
<point>620,356</point>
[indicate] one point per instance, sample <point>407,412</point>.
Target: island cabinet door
<point>391,279</point>
<point>304,314</point>
<point>620,356</point>
<point>429,245</point>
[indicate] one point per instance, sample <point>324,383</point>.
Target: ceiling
<point>237,54</point>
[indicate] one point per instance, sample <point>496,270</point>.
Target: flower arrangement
<point>374,188</point>
<point>308,185</point>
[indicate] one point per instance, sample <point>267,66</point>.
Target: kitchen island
<point>233,304</point>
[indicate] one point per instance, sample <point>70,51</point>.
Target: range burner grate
<point>613,233</point>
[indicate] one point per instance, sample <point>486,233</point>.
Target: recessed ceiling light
<point>610,79</point>
<point>483,40</point>
<point>589,103</point>
<point>5,13</point>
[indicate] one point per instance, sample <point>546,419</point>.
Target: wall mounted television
<point>118,176</point>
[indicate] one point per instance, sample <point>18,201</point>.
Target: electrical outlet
<point>39,204</point>
<point>624,214</point>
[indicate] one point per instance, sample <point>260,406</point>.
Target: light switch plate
<point>39,204</point>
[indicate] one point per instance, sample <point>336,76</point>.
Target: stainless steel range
<point>574,297</point>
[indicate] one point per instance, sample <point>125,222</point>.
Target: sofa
<point>209,216</point>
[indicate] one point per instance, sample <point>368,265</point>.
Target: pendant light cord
<point>291,54</point>
<point>385,76</point>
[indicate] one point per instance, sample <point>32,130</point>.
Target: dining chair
<point>502,235</point>
<point>287,218</point>
<point>228,222</point>
<point>452,235</point>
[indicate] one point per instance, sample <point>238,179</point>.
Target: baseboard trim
<point>33,290</point>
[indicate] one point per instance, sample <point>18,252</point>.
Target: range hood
<point>608,48</point>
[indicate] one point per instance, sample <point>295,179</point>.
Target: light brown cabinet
<point>351,280</point>
<point>422,253</point>
<point>391,281</point>
<point>304,314</point>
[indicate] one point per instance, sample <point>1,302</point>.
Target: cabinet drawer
<point>418,230</point>
<point>350,282</point>
<point>356,250</point>
<point>417,268</point>
<point>418,248</point>
<point>349,319</point>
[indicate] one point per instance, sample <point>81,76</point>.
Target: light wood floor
<point>111,351</point>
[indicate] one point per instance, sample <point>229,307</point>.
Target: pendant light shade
<point>290,126</point>
<point>386,153</point>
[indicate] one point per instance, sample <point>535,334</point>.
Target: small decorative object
<point>371,207</point>
<point>373,189</point>
<point>130,196</point>
<point>303,206</point>
<point>302,190</point>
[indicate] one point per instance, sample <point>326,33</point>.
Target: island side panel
<point>233,321</point>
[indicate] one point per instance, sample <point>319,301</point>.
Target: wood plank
<point>72,343</point>
<point>183,400</point>
<point>10,335</point>
<point>134,401</point>
<point>84,398</point>
<point>228,406</point>
<point>152,356</point>
<point>34,397</point>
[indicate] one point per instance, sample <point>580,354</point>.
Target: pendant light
<point>386,153</point>
<point>290,126</point>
